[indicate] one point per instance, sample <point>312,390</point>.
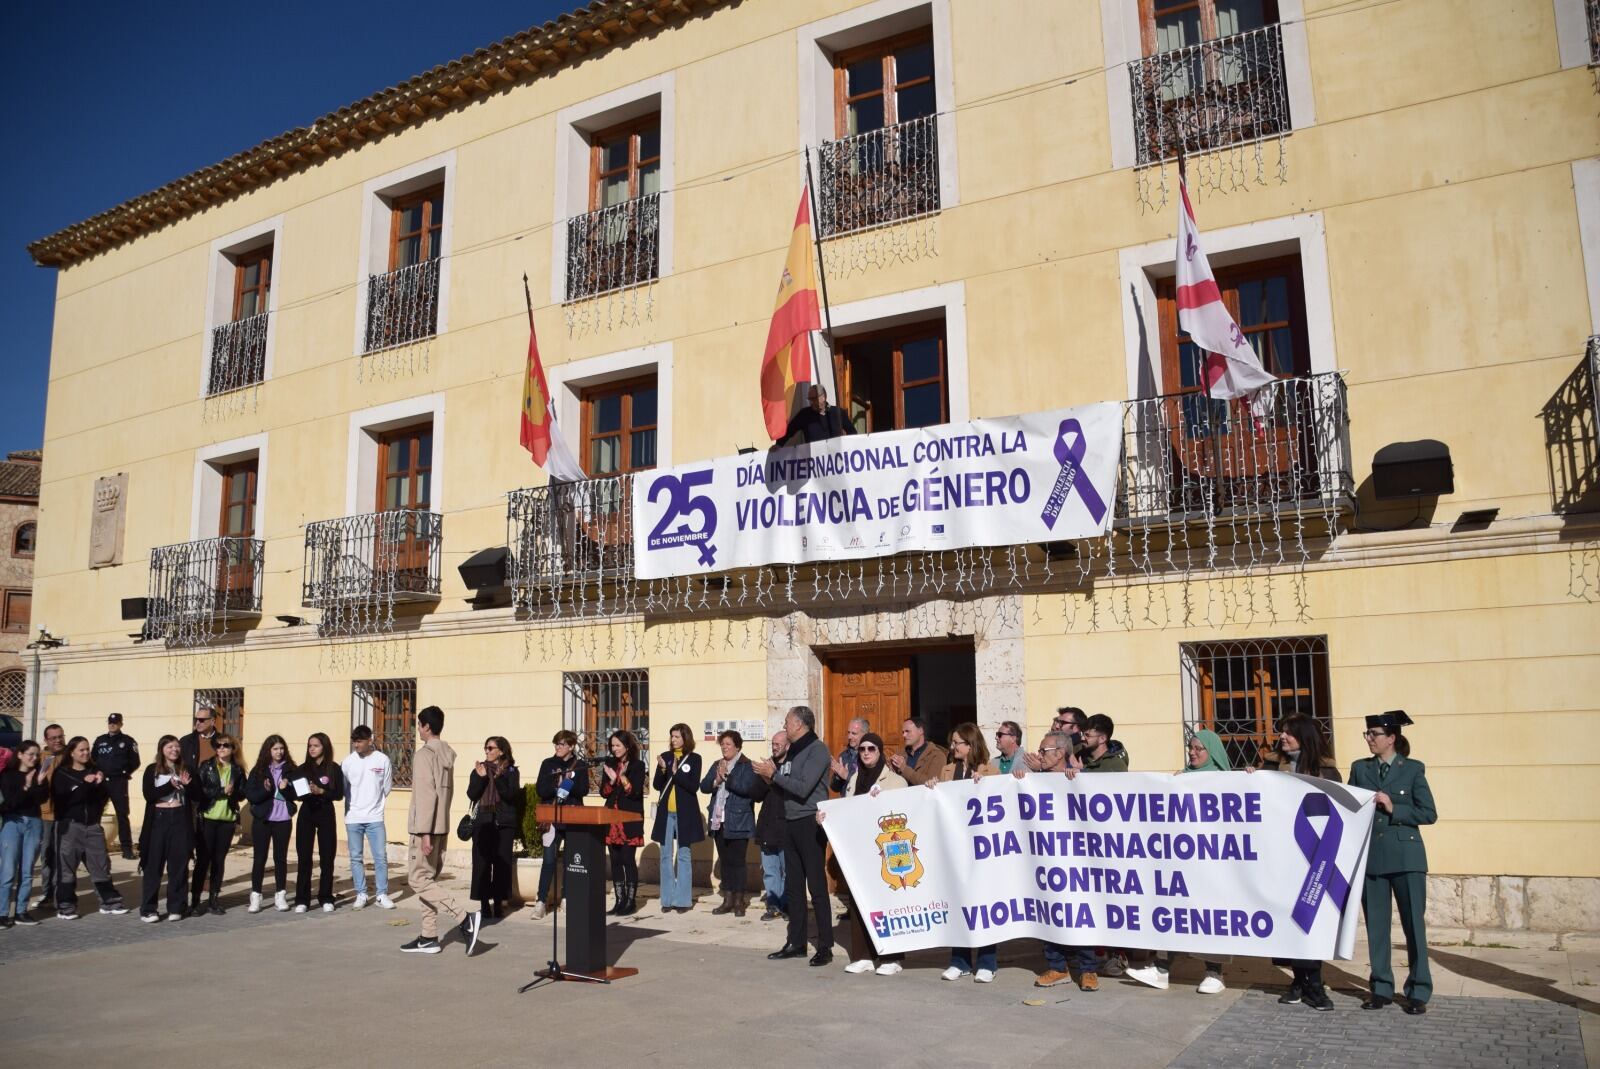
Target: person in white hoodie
<point>368,779</point>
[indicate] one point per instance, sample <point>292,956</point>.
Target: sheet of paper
<point>302,787</point>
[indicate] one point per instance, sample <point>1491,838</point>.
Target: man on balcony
<point>818,421</point>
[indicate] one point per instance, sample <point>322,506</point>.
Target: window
<point>625,162</point>
<point>415,224</point>
<point>16,610</point>
<point>13,690</point>
<point>894,379</point>
<point>252,282</point>
<point>239,344</point>
<point>1168,25</point>
<point>594,704</point>
<point>1267,300</point>
<point>619,427</point>
<point>22,543</point>
<point>228,704</point>
<point>389,708</point>
<point>1244,690</point>
<point>405,468</point>
<point>884,83</point>
<point>238,518</point>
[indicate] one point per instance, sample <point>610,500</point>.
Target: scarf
<point>867,775</point>
<point>1216,754</point>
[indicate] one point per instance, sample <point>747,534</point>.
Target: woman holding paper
<point>495,787</point>
<point>270,793</point>
<point>167,790</point>
<point>319,785</point>
<point>872,777</point>
<point>969,759</point>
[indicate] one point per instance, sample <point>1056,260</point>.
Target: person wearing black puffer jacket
<point>495,787</point>
<point>560,767</point>
<point>79,792</point>
<point>318,823</point>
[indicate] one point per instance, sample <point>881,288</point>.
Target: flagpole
<point>822,275</point>
<point>1212,431</point>
<point>527,295</point>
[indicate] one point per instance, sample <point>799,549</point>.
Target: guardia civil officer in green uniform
<point>1397,862</point>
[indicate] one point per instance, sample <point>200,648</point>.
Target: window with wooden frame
<point>619,427</point>
<point>1244,690</point>
<point>894,379</point>
<point>625,162</point>
<point>1168,25</point>
<point>24,541</point>
<point>236,579</point>
<point>416,223</point>
<point>594,704</point>
<point>252,282</point>
<point>16,610</point>
<point>405,468</point>
<point>389,708</point>
<point>884,83</point>
<point>1266,298</point>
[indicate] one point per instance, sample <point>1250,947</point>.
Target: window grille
<point>1243,690</point>
<point>238,354</point>
<point>1572,434</point>
<point>389,708</point>
<point>402,305</point>
<point>13,688</point>
<point>228,705</point>
<point>614,247</point>
<point>594,704</point>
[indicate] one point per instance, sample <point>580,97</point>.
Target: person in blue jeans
<point>368,779</point>
<point>22,788</point>
<point>770,828</point>
<point>679,824</point>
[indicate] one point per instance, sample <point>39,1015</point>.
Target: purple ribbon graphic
<point>1072,477</point>
<point>1323,879</point>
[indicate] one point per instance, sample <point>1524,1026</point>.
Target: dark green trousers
<point>1410,892</point>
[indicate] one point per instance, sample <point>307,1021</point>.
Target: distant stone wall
<point>1515,903</point>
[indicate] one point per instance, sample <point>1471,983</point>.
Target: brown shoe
<point>1052,978</point>
<point>1088,982</point>
<point>741,902</point>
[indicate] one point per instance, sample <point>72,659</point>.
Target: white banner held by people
<point>1043,477</point>
<point>1265,864</point>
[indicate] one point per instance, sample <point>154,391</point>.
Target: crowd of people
<point>52,798</point>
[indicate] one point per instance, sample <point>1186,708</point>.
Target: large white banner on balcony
<point>1041,477</point>
<point>1214,863</point>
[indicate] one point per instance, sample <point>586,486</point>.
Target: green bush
<point>532,843</point>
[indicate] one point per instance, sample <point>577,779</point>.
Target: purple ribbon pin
<point>1323,879</point>
<point>1070,456</point>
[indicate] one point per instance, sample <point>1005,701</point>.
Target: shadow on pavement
<point>1489,973</point>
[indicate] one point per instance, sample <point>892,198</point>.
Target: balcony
<point>878,177</point>
<point>614,248</point>
<point>402,306</point>
<point>377,559</point>
<point>193,585</point>
<point>1209,95</point>
<point>1572,436</point>
<point>1591,10</point>
<point>1188,458</point>
<point>238,355</point>
<point>570,532</point>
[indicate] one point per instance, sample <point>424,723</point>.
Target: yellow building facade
<point>255,366</point>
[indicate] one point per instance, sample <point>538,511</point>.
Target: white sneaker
<point>327,907</point>
<point>255,901</point>
<point>280,901</point>
<point>1151,975</point>
<point>952,973</point>
<point>855,968</point>
<point>361,902</point>
<point>297,909</point>
<point>1212,985</point>
<point>538,911</point>
<point>385,902</point>
<point>889,968</point>
<point>983,976</point>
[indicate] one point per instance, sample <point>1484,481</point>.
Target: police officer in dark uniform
<point>1397,863</point>
<point>117,755</point>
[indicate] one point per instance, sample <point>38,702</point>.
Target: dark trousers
<point>211,841</point>
<point>1308,974</point>
<point>170,845</point>
<point>117,789</point>
<point>731,855</point>
<point>803,873</point>
<point>315,827</point>
<point>861,948</point>
<point>275,832</point>
<point>1410,892</point>
<point>624,863</point>
<point>547,865</point>
<point>492,863</point>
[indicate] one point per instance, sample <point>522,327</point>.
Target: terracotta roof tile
<point>19,479</point>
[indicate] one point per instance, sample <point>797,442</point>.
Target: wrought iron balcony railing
<point>1209,95</point>
<point>402,306</point>
<point>238,354</point>
<point>614,248</point>
<point>1591,9</point>
<point>379,557</point>
<point>878,177</point>
<point>193,585</point>
<point>1572,436</point>
<point>571,531</point>
<point>1187,457</point>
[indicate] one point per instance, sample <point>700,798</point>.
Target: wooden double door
<point>876,688</point>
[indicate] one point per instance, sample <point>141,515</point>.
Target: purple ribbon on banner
<point>1323,879</point>
<point>1070,456</point>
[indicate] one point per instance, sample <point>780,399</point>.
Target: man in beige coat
<point>432,777</point>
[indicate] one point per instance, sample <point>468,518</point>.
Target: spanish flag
<point>539,432</point>
<point>786,363</point>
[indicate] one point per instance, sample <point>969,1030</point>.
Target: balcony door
<point>404,543</point>
<point>895,379</point>
<point>237,525</point>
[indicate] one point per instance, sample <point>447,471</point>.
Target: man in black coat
<point>117,755</point>
<point>818,421</point>
<point>770,827</point>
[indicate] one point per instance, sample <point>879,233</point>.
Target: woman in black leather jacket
<point>221,782</point>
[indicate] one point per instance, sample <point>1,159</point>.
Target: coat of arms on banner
<point>897,846</point>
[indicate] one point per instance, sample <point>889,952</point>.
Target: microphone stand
<point>553,972</point>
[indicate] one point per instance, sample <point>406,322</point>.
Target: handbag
<point>467,825</point>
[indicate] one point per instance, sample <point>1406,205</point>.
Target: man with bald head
<point>818,421</point>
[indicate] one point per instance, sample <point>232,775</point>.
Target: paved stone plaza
<point>109,988</point>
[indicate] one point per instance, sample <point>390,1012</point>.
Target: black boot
<point>215,906</point>
<point>620,889</point>
<point>631,906</point>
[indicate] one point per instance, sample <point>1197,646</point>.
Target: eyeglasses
<point>226,746</point>
<point>1005,735</point>
<point>1373,733</point>
<point>869,749</point>
<point>1048,749</point>
<point>201,719</point>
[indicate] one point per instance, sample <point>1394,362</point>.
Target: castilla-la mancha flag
<point>786,363</point>
<point>539,433</point>
<point>1232,368</point>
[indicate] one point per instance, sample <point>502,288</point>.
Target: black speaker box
<point>1412,469</point>
<point>135,608</point>
<point>485,568</point>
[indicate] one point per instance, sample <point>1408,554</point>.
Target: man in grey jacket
<point>802,781</point>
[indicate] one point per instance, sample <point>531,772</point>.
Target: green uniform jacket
<point>1396,840</point>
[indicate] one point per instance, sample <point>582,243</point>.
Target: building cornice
<point>518,59</point>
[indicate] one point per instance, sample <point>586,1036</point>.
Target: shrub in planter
<point>531,834</point>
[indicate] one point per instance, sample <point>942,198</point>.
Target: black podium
<point>584,890</point>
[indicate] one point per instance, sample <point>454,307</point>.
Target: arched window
<point>23,542</point>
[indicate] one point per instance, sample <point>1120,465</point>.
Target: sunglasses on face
<point>1004,735</point>
<point>869,749</point>
<point>225,746</point>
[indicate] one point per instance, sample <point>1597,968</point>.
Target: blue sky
<point>114,100</point>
